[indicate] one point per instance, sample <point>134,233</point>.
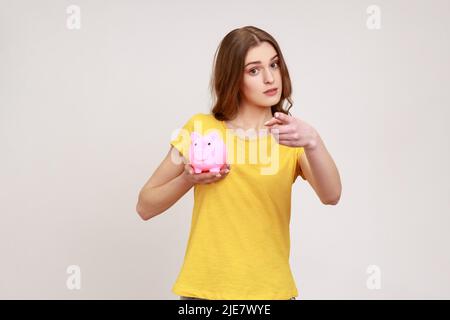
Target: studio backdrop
<point>92,91</point>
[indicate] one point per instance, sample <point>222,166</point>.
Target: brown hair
<point>228,70</point>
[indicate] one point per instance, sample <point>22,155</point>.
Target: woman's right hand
<point>205,177</point>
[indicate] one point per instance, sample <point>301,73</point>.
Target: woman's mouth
<point>271,92</point>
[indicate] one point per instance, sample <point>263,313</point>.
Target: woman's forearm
<point>326,176</point>
<point>155,200</point>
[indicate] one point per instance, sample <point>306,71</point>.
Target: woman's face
<point>261,72</point>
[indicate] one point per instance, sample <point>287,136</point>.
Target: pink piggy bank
<point>207,153</point>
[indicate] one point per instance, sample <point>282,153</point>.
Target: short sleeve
<point>298,171</point>
<point>181,137</point>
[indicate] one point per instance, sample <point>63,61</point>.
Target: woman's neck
<point>251,118</point>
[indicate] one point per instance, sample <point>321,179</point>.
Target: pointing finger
<point>282,117</point>
<point>272,122</point>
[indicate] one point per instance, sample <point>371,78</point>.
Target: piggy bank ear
<point>195,136</point>
<point>214,135</point>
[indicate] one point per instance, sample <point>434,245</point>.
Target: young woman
<point>239,242</point>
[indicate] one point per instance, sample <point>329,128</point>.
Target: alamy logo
<point>73,21</point>
<point>374,19</point>
<point>73,282</point>
<point>235,152</point>
<point>374,280</point>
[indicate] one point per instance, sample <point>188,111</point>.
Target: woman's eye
<point>255,69</point>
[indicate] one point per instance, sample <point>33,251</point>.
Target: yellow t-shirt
<point>239,242</point>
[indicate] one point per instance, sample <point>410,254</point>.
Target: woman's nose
<point>268,77</point>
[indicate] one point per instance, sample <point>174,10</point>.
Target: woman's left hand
<point>292,131</point>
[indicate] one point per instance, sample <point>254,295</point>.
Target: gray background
<point>86,117</point>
